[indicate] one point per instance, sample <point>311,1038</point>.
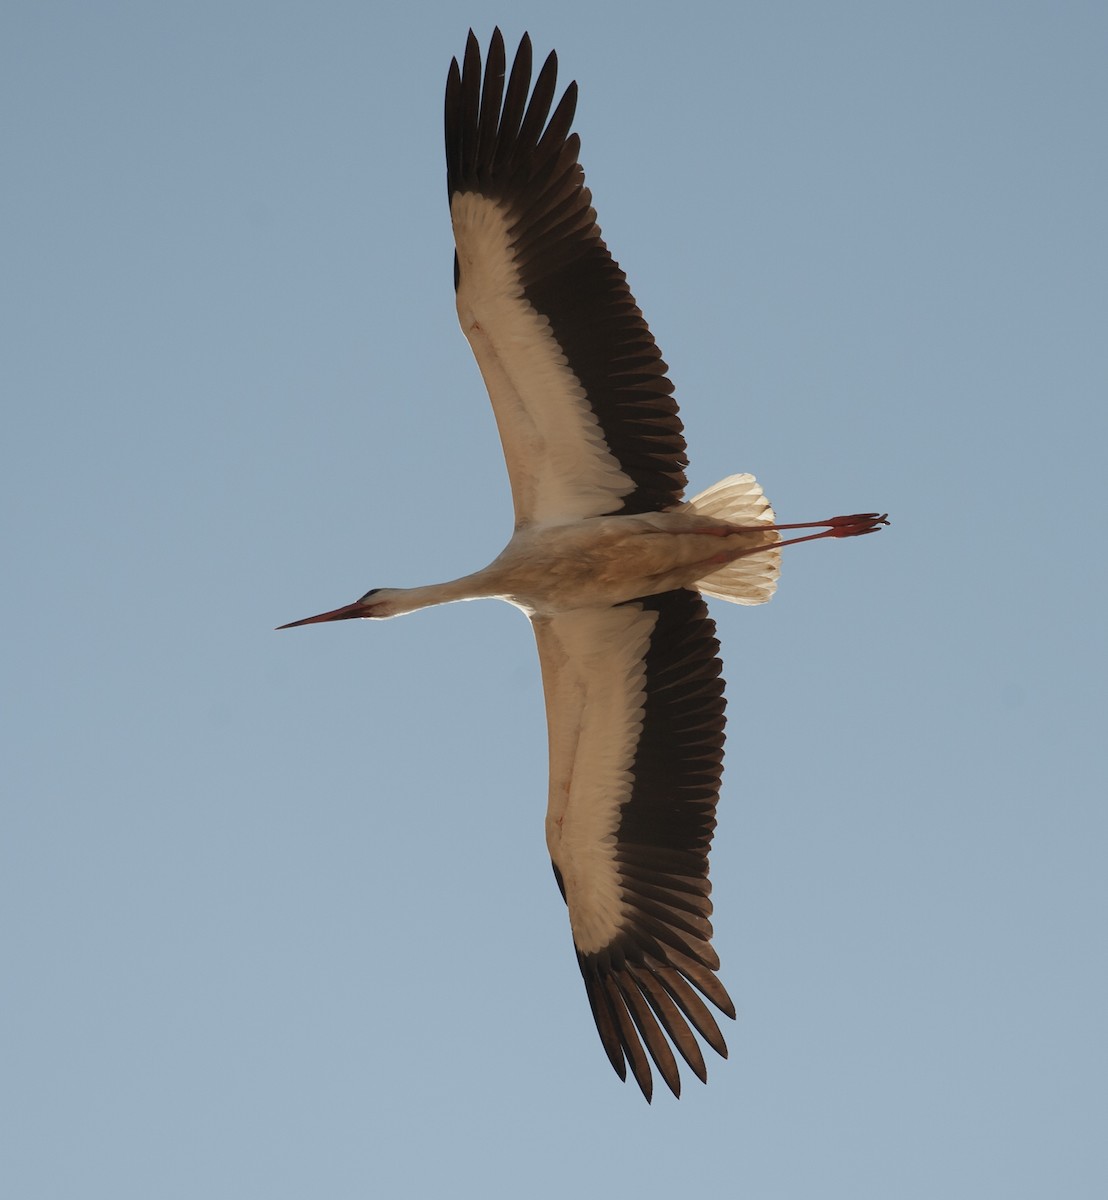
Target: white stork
<point>605,559</point>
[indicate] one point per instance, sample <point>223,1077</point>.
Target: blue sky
<point>278,918</point>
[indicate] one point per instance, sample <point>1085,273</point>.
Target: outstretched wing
<point>579,389</point>
<point>634,705</point>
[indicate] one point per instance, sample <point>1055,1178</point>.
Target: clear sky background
<point>278,917</point>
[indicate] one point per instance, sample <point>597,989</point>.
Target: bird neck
<point>406,600</point>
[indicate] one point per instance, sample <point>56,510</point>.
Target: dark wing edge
<point>518,153</point>
<point>645,987</point>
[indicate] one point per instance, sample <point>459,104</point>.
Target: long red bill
<point>346,613</point>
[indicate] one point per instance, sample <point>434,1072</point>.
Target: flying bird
<point>606,559</point>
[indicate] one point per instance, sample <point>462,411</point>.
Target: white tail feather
<point>753,578</point>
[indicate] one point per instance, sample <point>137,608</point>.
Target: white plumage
<point>605,559</point>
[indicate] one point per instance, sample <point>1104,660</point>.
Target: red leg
<point>837,527</point>
<point>852,526</point>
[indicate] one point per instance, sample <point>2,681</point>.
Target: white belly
<point>602,561</point>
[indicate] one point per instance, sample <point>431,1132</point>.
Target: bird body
<point>607,560</point>
<point>552,568</point>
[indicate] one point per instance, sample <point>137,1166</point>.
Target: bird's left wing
<point>634,705</point>
<point>579,389</point>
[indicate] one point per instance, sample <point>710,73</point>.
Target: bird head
<point>377,602</point>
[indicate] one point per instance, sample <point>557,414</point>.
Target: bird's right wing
<point>585,411</point>
<point>634,705</point>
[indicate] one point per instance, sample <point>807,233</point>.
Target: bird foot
<point>854,525</point>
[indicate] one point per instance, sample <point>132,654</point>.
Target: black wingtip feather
<point>605,1020</point>
<point>629,1038</point>
<point>670,1018</point>
<point>542,95</point>
<point>492,94</point>
<point>650,1032</point>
